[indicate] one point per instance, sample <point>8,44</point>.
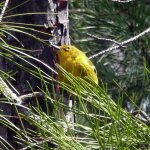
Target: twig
<point>104,39</point>
<point>12,96</point>
<point>142,116</point>
<point>3,10</point>
<point>78,10</point>
<point>127,1</point>
<point>122,43</point>
<point>140,112</point>
<point>18,100</point>
<point>6,91</point>
<point>37,144</point>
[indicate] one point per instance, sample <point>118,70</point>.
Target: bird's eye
<point>94,69</point>
<point>68,47</point>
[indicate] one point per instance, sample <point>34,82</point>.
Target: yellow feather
<point>76,62</point>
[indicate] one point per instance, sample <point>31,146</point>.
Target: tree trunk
<point>37,49</point>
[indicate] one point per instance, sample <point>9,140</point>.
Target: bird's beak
<point>55,48</point>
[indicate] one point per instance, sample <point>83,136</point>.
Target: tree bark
<point>37,49</point>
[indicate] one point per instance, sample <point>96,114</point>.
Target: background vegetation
<point>117,21</point>
<point>101,120</point>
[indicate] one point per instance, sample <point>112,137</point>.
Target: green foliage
<point>119,22</point>
<point>101,123</point>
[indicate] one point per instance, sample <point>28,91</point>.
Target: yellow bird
<point>76,62</point>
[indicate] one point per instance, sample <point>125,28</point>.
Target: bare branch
<point>127,1</point>
<point>104,39</point>
<point>18,100</point>
<point>122,43</point>
<point>13,98</point>
<point>3,10</point>
<point>21,101</point>
<point>41,142</point>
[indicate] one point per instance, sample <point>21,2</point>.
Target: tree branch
<point>104,39</point>
<point>122,43</point>
<point>119,1</point>
<point>3,10</point>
